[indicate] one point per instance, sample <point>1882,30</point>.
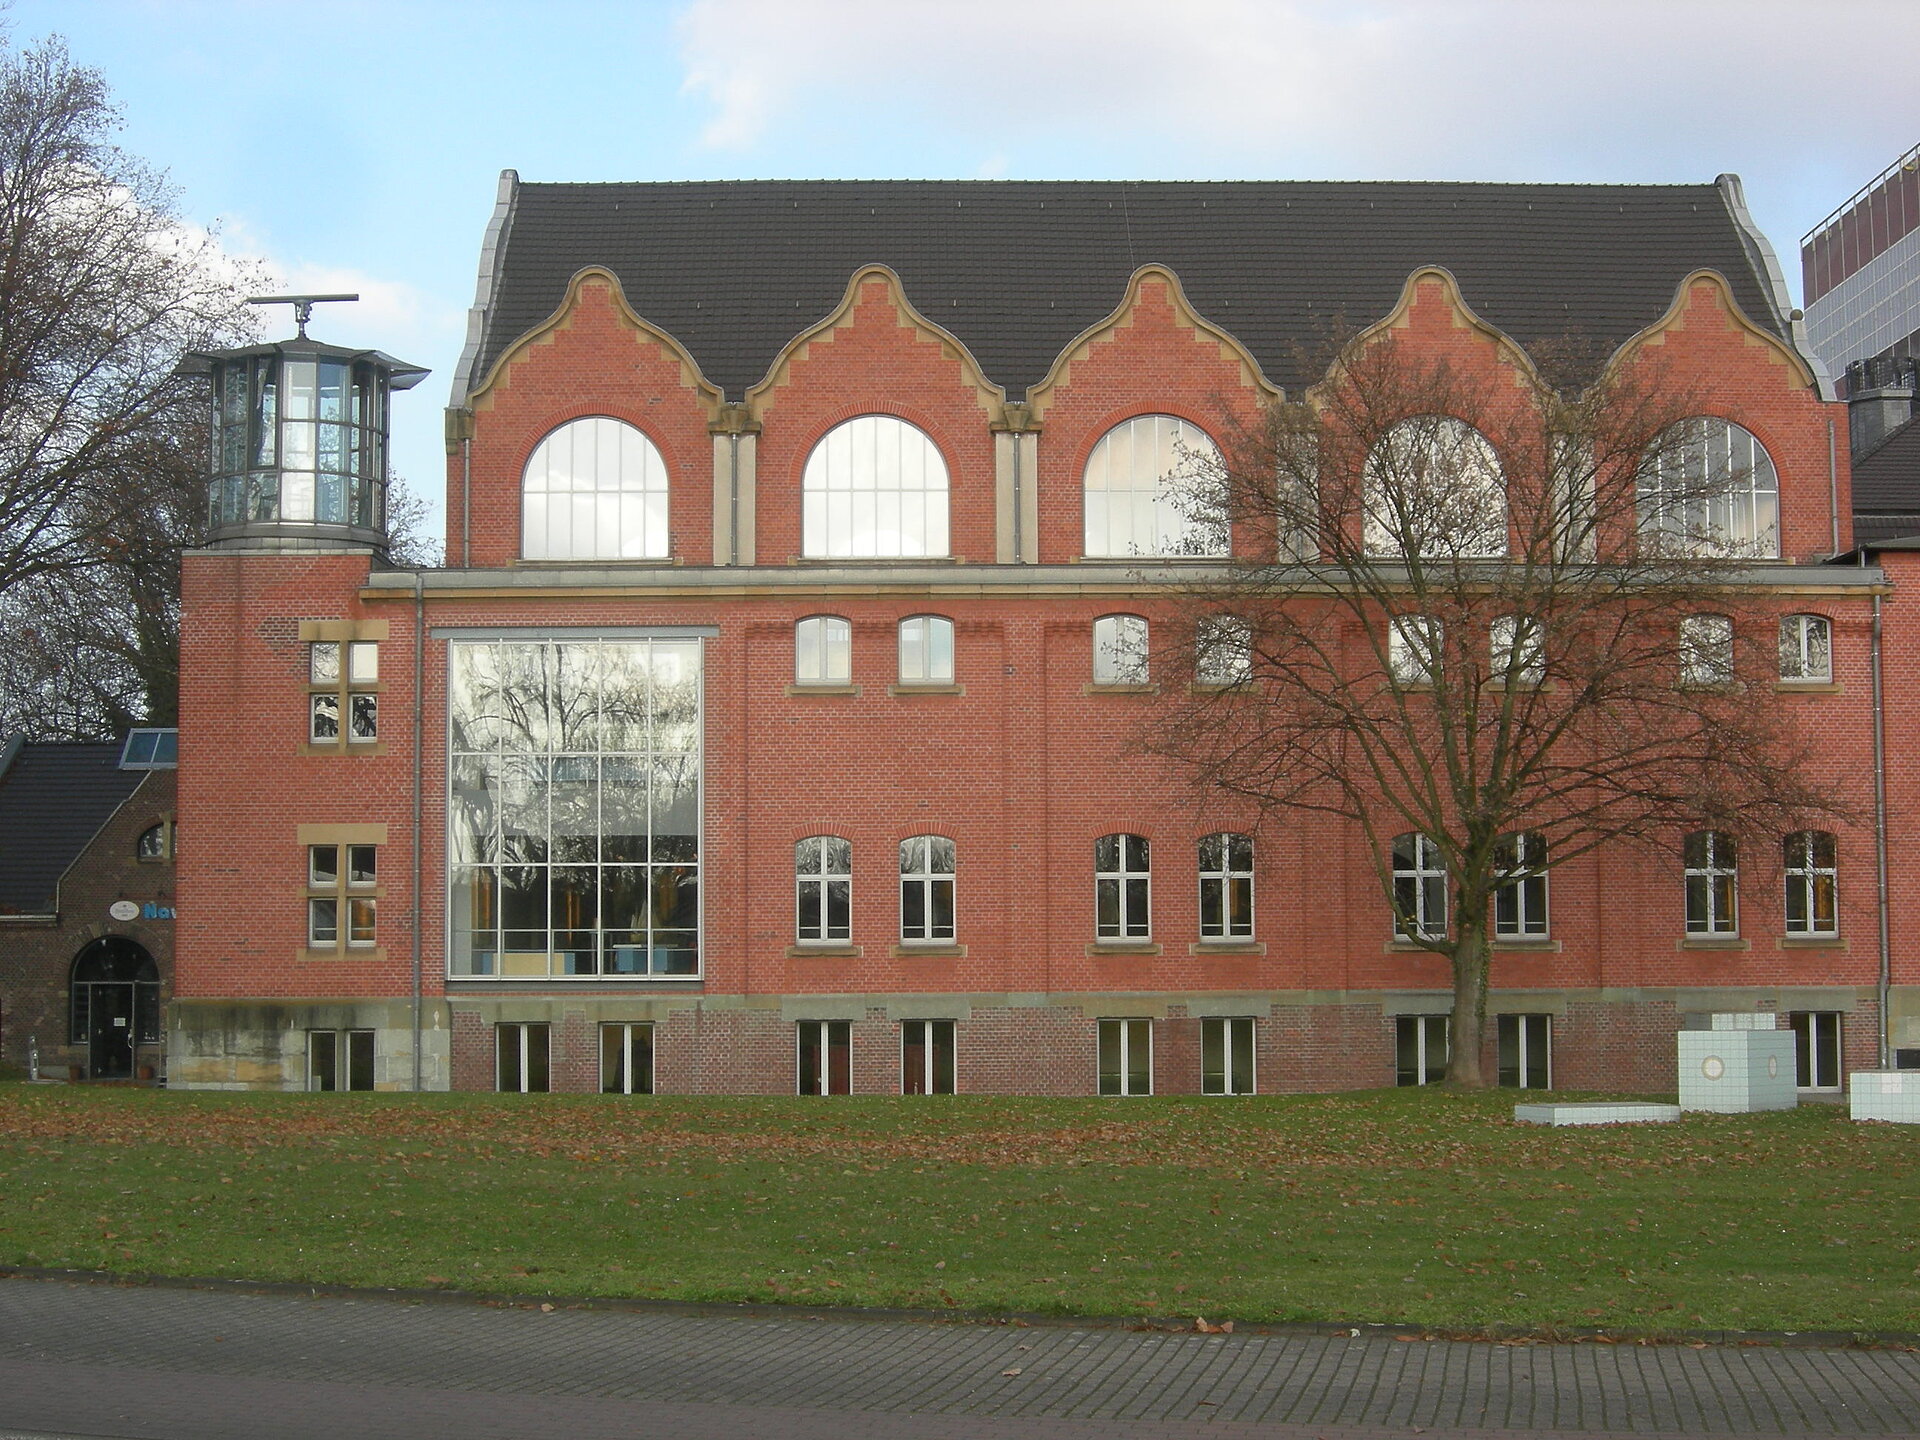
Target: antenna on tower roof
<point>302,305</point>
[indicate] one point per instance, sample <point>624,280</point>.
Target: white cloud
<point>1624,89</point>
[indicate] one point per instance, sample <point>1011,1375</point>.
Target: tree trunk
<point>1470,954</point>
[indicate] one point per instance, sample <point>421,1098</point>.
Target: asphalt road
<point>168,1363</point>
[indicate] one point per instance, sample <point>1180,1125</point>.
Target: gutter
<point>1885,990</point>
<point>1833,486</point>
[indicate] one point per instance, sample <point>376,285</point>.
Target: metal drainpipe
<point>1833,488</point>
<point>1880,839</point>
<point>466,502</point>
<point>419,779</point>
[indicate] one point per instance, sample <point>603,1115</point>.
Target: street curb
<point>868,1314</point>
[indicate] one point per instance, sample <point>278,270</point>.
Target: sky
<point>356,146</point>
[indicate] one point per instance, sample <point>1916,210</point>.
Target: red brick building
<point>771,724</point>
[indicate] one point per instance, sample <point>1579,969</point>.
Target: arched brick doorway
<point>114,1004</point>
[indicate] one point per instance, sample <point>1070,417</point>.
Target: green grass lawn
<point>1412,1206</point>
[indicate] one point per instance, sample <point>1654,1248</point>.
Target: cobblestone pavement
<point>140,1363</point>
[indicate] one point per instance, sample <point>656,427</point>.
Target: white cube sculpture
<point>1736,1067</point>
<point>1892,1095</point>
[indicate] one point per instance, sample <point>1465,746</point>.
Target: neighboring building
<point>768,729</point>
<point>87,909</point>
<point>1860,272</point>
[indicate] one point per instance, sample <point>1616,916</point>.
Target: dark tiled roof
<point>53,800</point>
<point>1887,477</point>
<point>1016,269</point>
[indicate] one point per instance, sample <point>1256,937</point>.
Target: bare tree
<point>1506,629</point>
<point>102,288</point>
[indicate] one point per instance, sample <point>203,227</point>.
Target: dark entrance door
<point>115,1005</point>
<point>110,1046</point>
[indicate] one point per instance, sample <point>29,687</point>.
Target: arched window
<point>1713,876</point>
<point>1708,487</point>
<point>822,651</point>
<point>1120,650</point>
<point>1145,490</point>
<point>152,844</point>
<point>874,486</point>
<point>926,889</point>
<point>926,650</point>
<point>1120,887</point>
<point>823,884</point>
<point>1419,888</point>
<point>1226,887</point>
<point>1433,490</point>
<point>595,489</point>
<point>1812,883</point>
<point>1806,649</point>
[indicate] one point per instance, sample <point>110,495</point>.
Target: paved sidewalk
<point>158,1363</point>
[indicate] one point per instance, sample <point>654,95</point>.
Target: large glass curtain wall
<point>574,813</point>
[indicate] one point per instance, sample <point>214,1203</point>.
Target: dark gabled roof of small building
<point>1016,269</point>
<point>1887,478</point>
<point>53,800</point>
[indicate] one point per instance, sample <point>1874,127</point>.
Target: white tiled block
<point>1745,1020</point>
<point>1595,1113</point>
<point>1735,1071</point>
<point>1892,1095</point>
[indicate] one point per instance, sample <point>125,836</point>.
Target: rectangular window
<point>1421,1047</point>
<point>1413,649</point>
<point>626,1059</point>
<point>1526,1051</point>
<point>1126,1057</point>
<point>340,884</point>
<point>1419,888</point>
<point>1812,883</point>
<point>1713,889</point>
<point>1223,651</point>
<point>521,1054</point>
<point>1121,883</point>
<point>1806,649</point>
<point>1520,905</point>
<point>1816,1040</point>
<point>574,809</point>
<point>1706,651</point>
<point>342,681</point>
<point>1226,887</point>
<point>1226,1055</point>
<point>926,1057</point>
<point>825,1058</point>
<point>340,1060</point>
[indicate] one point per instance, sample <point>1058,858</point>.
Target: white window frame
<point>1706,651</point>
<point>1414,645</point>
<point>624,1033</point>
<point>826,1034</point>
<point>1712,869</point>
<point>1525,667</point>
<point>519,1035</point>
<point>1680,511</point>
<point>1815,1051</point>
<point>821,881</point>
<point>353,903</point>
<point>1223,651</point>
<point>1531,1038</point>
<point>875,486</point>
<point>1229,1037</point>
<point>823,651</point>
<point>1808,872</point>
<point>1806,650</point>
<point>1131,886</point>
<point>931,1043</point>
<point>1138,491</point>
<point>343,692</point>
<point>926,650</point>
<point>1520,904</point>
<point>595,488</point>
<point>1132,1033</point>
<point>1120,650</point>
<point>1430,1032</point>
<point>1225,875</point>
<point>343,1043</point>
<point>1433,484</point>
<point>922,853</point>
<point>1416,873</point>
